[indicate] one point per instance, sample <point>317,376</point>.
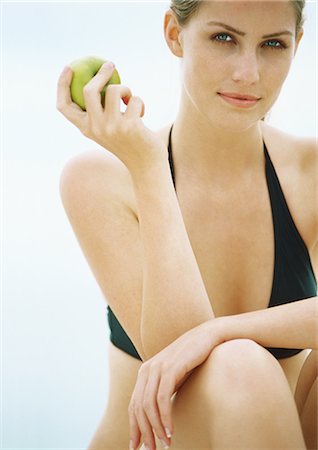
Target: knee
<point>238,374</point>
<point>240,365</point>
<point>243,354</point>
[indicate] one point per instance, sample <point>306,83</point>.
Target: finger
<point>64,102</point>
<point>135,433</point>
<point>113,96</point>
<point>135,402</point>
<point>135,107</point>
<point>139,425</point>
<point>144,425</point>
<point>137,408</point>
<point>151,408</point>
<point>92,90</point>
<point>165,391</point>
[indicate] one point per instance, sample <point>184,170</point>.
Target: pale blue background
<point>54,329</point>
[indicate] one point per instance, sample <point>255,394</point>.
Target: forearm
<point>292,325</point>
<point>174,296</point>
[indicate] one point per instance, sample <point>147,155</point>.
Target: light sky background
<point>54,367</point>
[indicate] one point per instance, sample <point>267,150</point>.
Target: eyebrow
<point>241,33</point>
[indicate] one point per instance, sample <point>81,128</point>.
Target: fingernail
<point>66,70</point>
<point>144,447</point>
<point>108,65</point>
<point>164,444</point>
<point>168,432</point>
<point>131,445</point>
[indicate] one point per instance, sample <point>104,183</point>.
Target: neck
<point>211,154</point>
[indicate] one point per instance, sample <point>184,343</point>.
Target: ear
<point>173,33</point>
<point>298,39</point>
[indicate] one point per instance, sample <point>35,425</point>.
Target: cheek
<point>275,73</point>
<point>202,73</point>
<point>272,79</point>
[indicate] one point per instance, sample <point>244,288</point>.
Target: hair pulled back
<point>185,9</point>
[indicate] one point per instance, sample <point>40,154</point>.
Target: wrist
<point>151,175</point>
<point>220,330</point>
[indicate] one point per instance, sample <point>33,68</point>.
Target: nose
<point>246,68</point>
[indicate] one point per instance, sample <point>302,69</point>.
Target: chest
<point>232,237</point>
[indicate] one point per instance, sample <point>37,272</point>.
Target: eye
<point>222,37</point>
<point>274,44</point>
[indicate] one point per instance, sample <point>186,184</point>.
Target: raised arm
<point>174,298</point>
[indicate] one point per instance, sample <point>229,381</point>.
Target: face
<point>235,58</point>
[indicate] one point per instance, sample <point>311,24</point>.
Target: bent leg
<point>306,399</point>
<point>239,398</point>
<point>113,430</point>
<point>309,417</point>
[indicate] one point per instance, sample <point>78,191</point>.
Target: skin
<point>228,136</point>
<point>215,145</point>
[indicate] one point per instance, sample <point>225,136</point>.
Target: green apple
<point>84,69</point>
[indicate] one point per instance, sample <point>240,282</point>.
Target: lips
<point>239,96</point>
<point>238,99</point>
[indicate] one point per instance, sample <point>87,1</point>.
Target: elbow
<point>151,346</point>
<point>154,340</point>
<point>156,336</point>
<point>141,352</point>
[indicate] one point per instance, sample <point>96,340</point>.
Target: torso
<point>234,246</point>
<point>232,234</point>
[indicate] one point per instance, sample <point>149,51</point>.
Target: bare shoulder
<point>295,156</point>
<point>91,171</point>
<point>296,162</point>
<point>302,152</point>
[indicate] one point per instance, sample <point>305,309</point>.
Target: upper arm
<point>95,193</point>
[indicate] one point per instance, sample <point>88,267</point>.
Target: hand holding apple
<point>84,69</point>
<point>123,133</point>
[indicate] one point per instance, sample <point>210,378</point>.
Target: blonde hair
<point>185,9</point>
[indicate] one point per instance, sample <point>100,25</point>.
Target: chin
<point>226,118</point>
<point>235,123</point>
<point>236,119</point>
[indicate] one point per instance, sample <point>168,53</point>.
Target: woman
<point>205,252</point>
